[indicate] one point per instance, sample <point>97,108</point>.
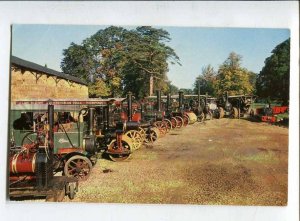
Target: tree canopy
<point>273,80</point>
<point>232,77</point>
<point>207,80</point>
<point>116,60</point>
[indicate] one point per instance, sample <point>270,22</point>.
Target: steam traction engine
<point>182,115</point>
<point>234,106</point>
<point>31,168</point>
<point>138,125</point>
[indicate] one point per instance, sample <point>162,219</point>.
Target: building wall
<point>29,84</point>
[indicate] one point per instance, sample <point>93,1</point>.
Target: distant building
<point>30,80</point>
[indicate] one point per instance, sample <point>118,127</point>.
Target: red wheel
<point>186,120</point>
<point>161,126</point>
<point>173,122</point>
<point>180,122</point>
<point>78,167</point>
<point>169,124</point>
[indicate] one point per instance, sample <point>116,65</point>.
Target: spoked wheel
<point>169,124</point>
<point>221,113</point>
<point>29,138</point>
<point>186,120</point>
<point>200,118</point>
<point>127,146</point>
<point>173,122</point>
<point>71,190</point>
<point>208,116</point>
<point>78,167</point>
<point>180,122</point>
<point>33,140</point>
<point>136,137</point>
<point>152,135</point>
<point>161,126</point>
<point>143,133</point>
<point>235,113</point>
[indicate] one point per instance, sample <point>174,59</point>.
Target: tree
<point>186,90</point>
<point>232,77</point>
<point>207,80</point>
<point>172,89</point>
<point>97,60</point>
<point>122,60</point>
<point>273,80</point>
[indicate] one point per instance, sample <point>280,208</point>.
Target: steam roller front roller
<point>152,134</point>
<point>136,138</point>
<point>192,117</point>
<point>113,149</point>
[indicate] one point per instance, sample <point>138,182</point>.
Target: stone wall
<point>29,84</point>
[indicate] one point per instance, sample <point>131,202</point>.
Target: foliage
<point>99,89</point>
<point>172,88</point>
<point>207,80</point>
<point>122,60</point>
<point>273,79</point>
<point>233,78</point>
<point>187,91</point>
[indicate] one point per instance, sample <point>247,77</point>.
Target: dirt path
<point>224,161</point>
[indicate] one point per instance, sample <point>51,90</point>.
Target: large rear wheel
<point>79,167</point>
<point>180,122</point>
<point>152,135</point>
<point>173,122</point>
<point>235,113</point>
<point>161,126</point>
<point>221,113</point>
<point>136,137</point>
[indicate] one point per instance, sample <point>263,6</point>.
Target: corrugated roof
<point>36,67</point>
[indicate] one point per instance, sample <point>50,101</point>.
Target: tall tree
<point>207,80</point>
<point>116,60</point>
<point>273,80</point>
<point>232,77</point>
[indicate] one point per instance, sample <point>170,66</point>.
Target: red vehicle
<point>269,114</point>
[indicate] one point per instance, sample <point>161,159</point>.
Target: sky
<point>196,47</point>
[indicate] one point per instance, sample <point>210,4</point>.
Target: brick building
<point>30,80</point>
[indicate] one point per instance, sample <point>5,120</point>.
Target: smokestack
<point>91,120</point>
<point>105,118</point>
<point>51,124</point>
<point>226,96</point>
<point>158,100</point>
<point>180,99</point>
<point>129,108</point>
<point>168,102</point>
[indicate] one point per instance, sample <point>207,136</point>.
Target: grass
<point>268,157</point>
<point>163,185</point>
<point>146,156</point>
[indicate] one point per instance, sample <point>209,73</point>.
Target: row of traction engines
<point>63,139</point>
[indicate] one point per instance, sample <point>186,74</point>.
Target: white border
<point>205,14</point>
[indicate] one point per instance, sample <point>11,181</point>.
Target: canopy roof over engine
<point>62,104</point>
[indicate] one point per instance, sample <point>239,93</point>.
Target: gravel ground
<point>227,161</point>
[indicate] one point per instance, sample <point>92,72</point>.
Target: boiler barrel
<point>19,164</point>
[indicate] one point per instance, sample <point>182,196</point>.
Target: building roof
<point>36,67</point>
